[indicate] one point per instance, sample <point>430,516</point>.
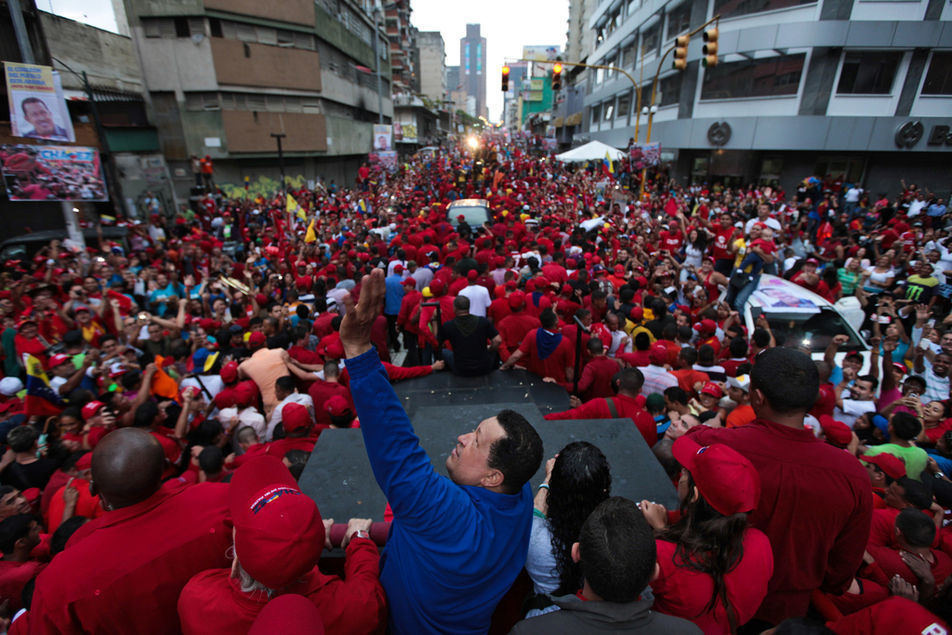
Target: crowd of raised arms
<point>161,395</point>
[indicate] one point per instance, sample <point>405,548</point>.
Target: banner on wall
<point>37,107</point>
<point>645,155</point>
<point>383,137</point>
<point>52,173</point>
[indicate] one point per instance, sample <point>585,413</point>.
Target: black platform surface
<point>441,406</point>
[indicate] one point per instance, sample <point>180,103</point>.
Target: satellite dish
<point>197,38</point>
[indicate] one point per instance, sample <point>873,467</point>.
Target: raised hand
<point>359,318</point>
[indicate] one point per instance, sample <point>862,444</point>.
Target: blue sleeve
<point>419,496</point>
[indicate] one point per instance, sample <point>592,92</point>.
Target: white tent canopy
<point>591,151</point>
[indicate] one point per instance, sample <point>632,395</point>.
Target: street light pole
<point>278,136</point>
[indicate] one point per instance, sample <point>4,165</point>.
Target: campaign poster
<point>645,155</point>
<point>388,160</point>
<point>52,173</point>
<point>37,107</point>
<point>383,137</point>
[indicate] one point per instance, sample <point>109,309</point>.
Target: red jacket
<point>123,572</point>
<point>212,601</point>
<point>625,407</point>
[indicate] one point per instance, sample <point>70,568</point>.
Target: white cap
<point>741,381</point>
<point>10,386</point>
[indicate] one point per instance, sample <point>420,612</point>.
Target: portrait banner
<point>37,107</point>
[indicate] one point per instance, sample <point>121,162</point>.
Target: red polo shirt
<point>596,379</point>
<point>212,601</point>
<point>123,572</point>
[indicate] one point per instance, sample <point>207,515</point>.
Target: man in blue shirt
<point>456,544</point>
<point>391,307</point>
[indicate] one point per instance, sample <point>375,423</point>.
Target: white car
<point>800,318</point>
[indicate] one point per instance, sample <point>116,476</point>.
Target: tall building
<point>223,77</point>
<point>472,63</point>
<point>579,37</point>
<point>432,70</point>
<point>400,33</point>
<point>848,88</point>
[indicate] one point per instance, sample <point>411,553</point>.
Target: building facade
<point>401,34</point>
<point>472,67</point>
<point>855,88</point>
<point>223,77</point>
<point>432,70</point>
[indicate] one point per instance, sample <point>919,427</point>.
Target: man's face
<point>40,118</point>
<point>894,496</point>
<point>941,364</point>
<point>736,394</point>
<point>862,390</point>
<point>763,211</point>
<point>876,477</point>
<point>946,342</point>
<point>853,363</point>
<point>611,321</point>
<point>12,504</point>
<point>155,332</point>
<point>468,463</point>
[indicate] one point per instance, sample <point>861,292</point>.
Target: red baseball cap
<point>437,287</point>
<point>92,409</point>
<point>256,339</point>
<point>706,326</point>
<point>398,268</point>
<point>471,275</point>
<point>290,614</point>
<point>279,535</point>
<point>837,432</point>
<point>245,394</point>
<point>295,417</point>
<point>58,359</point>
<point>85,462</point>
<point>517,300</point>
<point>229,372</point>
<point>409,281</point>
<point>658,353</point>
<point>891,465</point>
<point>726,479</point>
<point>637,314</point>
<point>712,389</point>
<point>337,406</point>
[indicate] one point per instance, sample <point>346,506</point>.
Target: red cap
<point>337,406</point>
<point>517,299</point>
<point>409,282</point>
<point>658,353</point>
<point>619,270</point>
<point>891,465</point>
<point>511,284</point>
<point>836,432</point>
<point>208,324</point>
<point>256,339</point>
<point>92,409</point>
<point>398,268</point>
<point>229,372</point>
<point>58,359</point>
<point>295,417</point>
<point>437,287</point>
<point>637,314</point>
<point>85,462</point>
<point>712,389</point>
<point>725,478</point>
<point>471,275</point>
<point>902,368</point>
<point>289,614</point>
<point>245,394</point>
<point>708,327</point>
<point>279,534</point>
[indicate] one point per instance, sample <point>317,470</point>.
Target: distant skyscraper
<point>472,67</point>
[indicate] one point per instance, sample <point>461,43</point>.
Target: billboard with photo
<point>37,107</point>
<point>383,137</point>
<point>52,173</point>
<point>645,155</point>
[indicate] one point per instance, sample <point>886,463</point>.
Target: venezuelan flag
<point>294,208</point>
<point>362,206</point>
<point>41,400</point>
<point>607,163</point>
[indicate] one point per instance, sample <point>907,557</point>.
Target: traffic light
<point>710,48</point>
<point>556,76</point>
<point>681,52</point>
<point>505,79</point>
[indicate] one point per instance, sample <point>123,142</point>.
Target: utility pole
<point>278,136</point>
<point>377,66</point>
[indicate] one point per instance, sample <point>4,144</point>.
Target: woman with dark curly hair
<point>712,568</point>
<point>577,479</point>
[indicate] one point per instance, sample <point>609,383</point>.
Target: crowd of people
<point>161,396</point>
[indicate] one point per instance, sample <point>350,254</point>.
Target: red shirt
<point>815,507</point>
<point>212,602</point>
<point>123,572</point>
<point>320,391</point>
<point>624,405</point>
<point>513,329</point>
<point>685,592</point>
<point>13,577</point>
<point>596,379</point>
<point>552,366</point>
<point>891,563</point>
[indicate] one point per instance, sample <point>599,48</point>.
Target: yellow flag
<point>310,236</point>
<point>293,208</point>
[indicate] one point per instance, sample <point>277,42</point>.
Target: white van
<point>800,318</point>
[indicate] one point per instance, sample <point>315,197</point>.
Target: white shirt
<point>772,223</point>
<point>479,299</point>
<point>295,397</point>
<point>657,379</point>
<point>852,410</point>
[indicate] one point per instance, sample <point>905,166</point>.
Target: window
<point>670,88</point>
<point>649,39</point>
<point>633,6</point>
<point>624,106</point>
<point>181,27</point>
<point>678,20</point>
<point>266,35</point>
<point>628,56</point>
<point>609,111</point>
<point>771,77</point>
<point>939,77</point>
<point>596,113</point>
<point>214,27</point>
<point>868,72</point>
<point>732,8</point>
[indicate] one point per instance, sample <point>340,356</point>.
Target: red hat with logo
<point>658,353</point>
<point>279,534</point>
<point>91,409</point>
<point>712,389</point>
<point>892,466</point>
<point>58,359</point>
<point>836,432</point>
<point>295,417</point>
<point>706,327</point>
<point>726,479</point>
<point>337,406</point>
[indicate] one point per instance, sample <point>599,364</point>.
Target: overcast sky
<point>507,25</point>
